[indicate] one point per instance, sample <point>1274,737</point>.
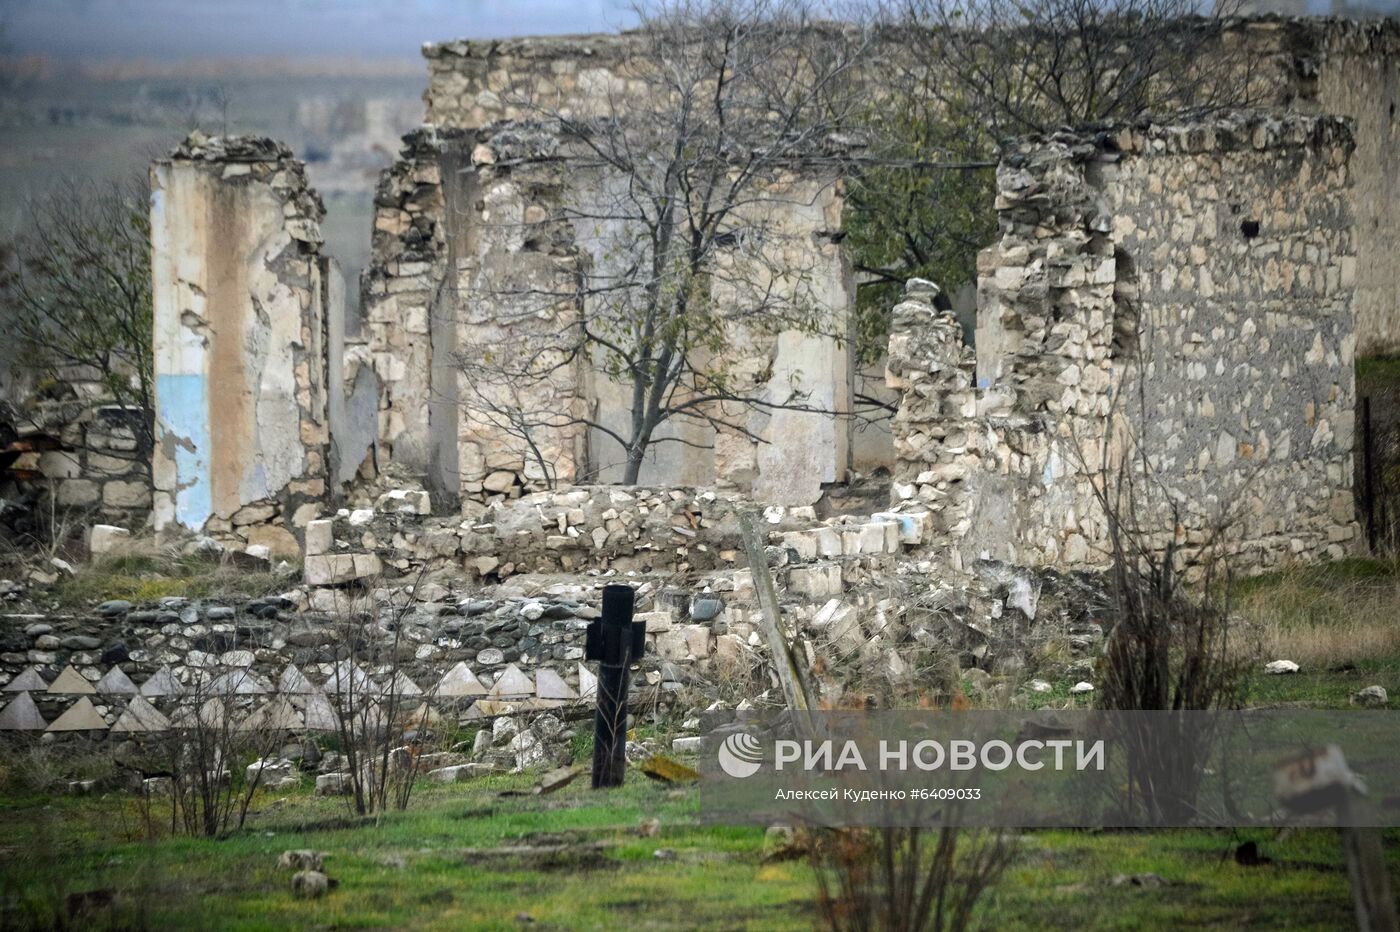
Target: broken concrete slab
<point>70,682</point>
<point>22,715</point>
<point>81,716</point>
<point>139,717</point>
<point>108,540</point>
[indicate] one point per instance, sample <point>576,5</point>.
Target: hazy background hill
<point>92,89</point>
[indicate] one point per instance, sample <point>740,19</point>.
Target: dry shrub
<point>904,879</point>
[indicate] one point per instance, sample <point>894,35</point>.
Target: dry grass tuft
<point>1326,616</point>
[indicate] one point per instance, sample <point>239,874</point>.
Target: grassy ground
<point>1339,622</point>
<point>439,864</point>
<point>424,869</point>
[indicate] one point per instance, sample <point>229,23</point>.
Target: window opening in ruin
<point>1125,306</point>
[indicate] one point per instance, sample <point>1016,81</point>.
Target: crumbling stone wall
<point>1315,65</point>
<point>471,261</point>
<point>1175,292</point>
<point>1359,77</point>
<point>101,467</point>
<point>240,342</point>
<point>483,241</point>
<point>472,83</point>
<point>1347,68</point>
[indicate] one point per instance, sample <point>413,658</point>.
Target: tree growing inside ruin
<point>959,76</point>
<point>75,295</point>
<point>726,114</point>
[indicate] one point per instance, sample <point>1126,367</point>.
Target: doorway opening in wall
<point>352,393</point>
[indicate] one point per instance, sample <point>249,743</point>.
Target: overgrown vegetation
<point>147,577</point>
<point>75,292</point>
<point>905,879</point>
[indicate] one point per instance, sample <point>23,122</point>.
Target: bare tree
<point>1038,65</point>
<point>380,728</point>
<point>76,296</point>
<point>725,118</point>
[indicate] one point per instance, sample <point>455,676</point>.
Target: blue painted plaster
<point>182,403</point>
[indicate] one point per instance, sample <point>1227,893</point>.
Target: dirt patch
<point>543,857</point>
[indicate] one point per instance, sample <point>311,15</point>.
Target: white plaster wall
<point>227,328</point>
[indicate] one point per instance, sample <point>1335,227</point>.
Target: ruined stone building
<point>1180,294</point>
<point>1191,296</point>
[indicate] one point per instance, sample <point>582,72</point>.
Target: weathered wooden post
<point>614,640</point>
<point>1312,781</point>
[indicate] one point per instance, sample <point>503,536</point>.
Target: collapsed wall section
<point>471,300</point>
<point>240,322</point>
<point>1170,303</point>
<point>493,247</point>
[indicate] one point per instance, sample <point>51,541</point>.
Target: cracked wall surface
<point>1178,296</point>
<point>240,352</point>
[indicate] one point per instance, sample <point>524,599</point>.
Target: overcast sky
<point>177,29</point>
<point>252,28</point>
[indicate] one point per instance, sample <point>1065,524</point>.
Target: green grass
<point>1378,371</point>
<point>144,578</point>
<point>419,869</point>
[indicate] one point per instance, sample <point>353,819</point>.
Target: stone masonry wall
<point>472,262</point>
<point>101,468</point>
<point>472,83</point>
<point>1318,66</point>
<point>240,347</point>
<point>1215,258</point>
<point>482,249</point>
<point>1236,251</point>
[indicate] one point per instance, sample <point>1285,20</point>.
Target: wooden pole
<point>791,673</point>
<point>1370,884</point>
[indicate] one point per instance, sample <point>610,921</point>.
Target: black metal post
<point>614,640</point>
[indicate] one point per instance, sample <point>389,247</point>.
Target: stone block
<point>335,568</point>
<point>76,493</point>
<point>656,622</point>
<point>671,645</point>
<point>404,502</point>
<point>277,540</point>
<point>697,639</point>
<point>320,536</point>
<point>821,581</point>
<point>107,539</point>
